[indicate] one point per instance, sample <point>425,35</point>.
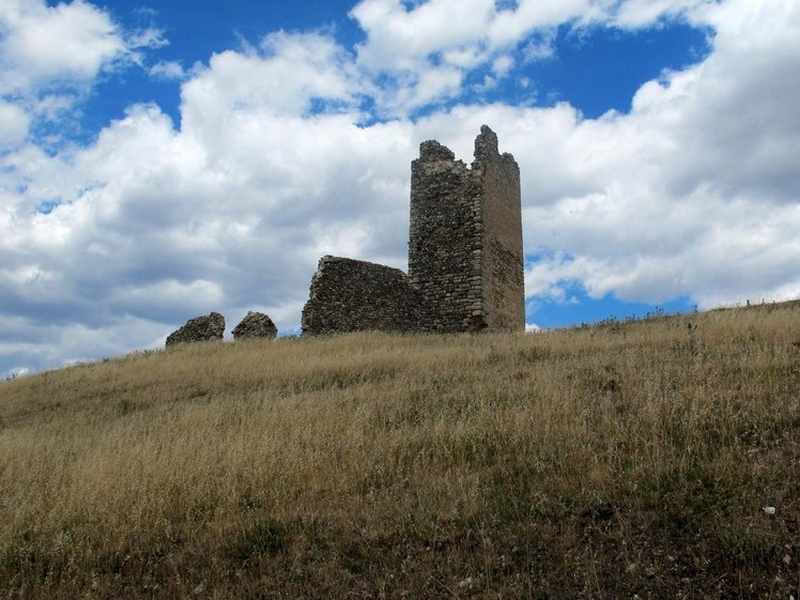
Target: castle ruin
<point>465,261</point>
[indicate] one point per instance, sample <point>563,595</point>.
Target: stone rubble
<point>255,325</point>
<point>199,329</point>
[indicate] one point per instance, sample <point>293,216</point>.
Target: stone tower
<point>465,245</point>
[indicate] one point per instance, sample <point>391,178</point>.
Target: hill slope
<point>650,459</point>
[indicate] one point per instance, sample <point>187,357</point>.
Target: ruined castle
<point>465,262</point>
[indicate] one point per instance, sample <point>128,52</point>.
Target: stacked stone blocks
<point>353,295</point>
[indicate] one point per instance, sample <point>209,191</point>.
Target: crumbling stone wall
<point>255,325</point>
<point>465,246</point>
<point>502,259</point>
<point>444,243</point>
<point>352,295</point>
<point>465,261</point>
<point>199,329</point>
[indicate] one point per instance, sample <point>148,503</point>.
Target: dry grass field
<point>645,459</point>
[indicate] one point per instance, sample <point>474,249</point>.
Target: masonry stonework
<point>464,257</point>
<point>353,295</point>
<point>465,246</point>
<point>199,329</point>
<point>255,325</point>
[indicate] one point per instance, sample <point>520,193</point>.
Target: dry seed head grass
<point>377,440</point>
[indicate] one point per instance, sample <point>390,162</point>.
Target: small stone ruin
<point>199,329</point>
<point>255,325</point>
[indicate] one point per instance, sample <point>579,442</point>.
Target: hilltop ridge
<point>655,458</point>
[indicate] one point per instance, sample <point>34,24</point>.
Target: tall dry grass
<point>610,461</point>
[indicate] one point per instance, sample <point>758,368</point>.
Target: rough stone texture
<point>199,329</point>
<point>465,256</point>
<point>465,243</point>
<point>503,262</point>
<point>352,295</point>
<point>255,325</point>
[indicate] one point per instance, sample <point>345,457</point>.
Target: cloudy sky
<point>160,160</point>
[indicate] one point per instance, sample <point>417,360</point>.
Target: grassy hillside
<point>650,459</point>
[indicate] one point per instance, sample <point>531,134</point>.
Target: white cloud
<point>412,45</point>
<point>42,45</point>
<point>149,37</point>
<point>642,13</point>
<point>286,77</point>
<point>502,65</point>
<point>531,16</point>
<point>691,187</point>
<point>51,56</point>
<point>540,47</point>
<point>400,38</point>
<point>14,124</point>
<point>171,69</point>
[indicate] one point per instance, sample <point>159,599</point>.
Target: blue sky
<point>159,162</point>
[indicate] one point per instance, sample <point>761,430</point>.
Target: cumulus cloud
<point>51,56</point>
<point>14,124</point>
<point>298,147</point>
<point>412,45</point>
<point>288,74</point>
<point>43,44</point>
<point>698,182</point>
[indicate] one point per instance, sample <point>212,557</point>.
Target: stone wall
<point>352,295</point>
<point>444,238</point>
<point>465,242</point>
<point>502,260</point>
